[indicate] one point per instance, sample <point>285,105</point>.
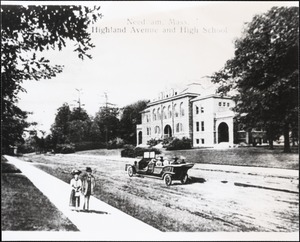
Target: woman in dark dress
<point>88,184</point>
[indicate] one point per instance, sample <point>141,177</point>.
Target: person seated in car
<point>160,162</point>
<point>152,162</point>
<point>175,161</point>
<point>182,160</point>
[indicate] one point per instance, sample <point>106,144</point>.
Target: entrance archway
<point>140,137</point>
<point>167,131</point>
<point>223,135</point>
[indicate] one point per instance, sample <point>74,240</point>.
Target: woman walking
<point>76,186</point>
<point>88,185</point>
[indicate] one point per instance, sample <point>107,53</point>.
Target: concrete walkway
<point>102,223</point>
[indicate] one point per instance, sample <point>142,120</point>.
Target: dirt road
<point>218,198</point>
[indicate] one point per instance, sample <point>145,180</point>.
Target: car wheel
<point>130,171</point>
<point>168,179</point>
<point>184,179</point>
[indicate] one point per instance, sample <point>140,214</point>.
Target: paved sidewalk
<point>104,220</point>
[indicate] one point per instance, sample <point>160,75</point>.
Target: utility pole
<point>106,114</point>
<point>79,101</point>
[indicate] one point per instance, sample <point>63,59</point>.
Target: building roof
<point>200,87</point>
<point>175,97</point>
<point>210,96</point>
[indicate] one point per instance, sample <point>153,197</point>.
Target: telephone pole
<point>79,101</point>
<point>106,114</point>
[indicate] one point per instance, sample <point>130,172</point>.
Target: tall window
<point>148,131</point>
<point>154,114</point>
<point>176,110</point>
<point>158,114</point>
<point>197,110</point>
<point>179,127</point>
<point>202,126</point>
<point>197,126</point>
<point>202,109</point>
<point>181,109</point>
<point>147,118</point>
<point>165,112</point>
<point>157,130</point>
<point>169,112</point>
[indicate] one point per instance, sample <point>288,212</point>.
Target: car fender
<point>168,172</point>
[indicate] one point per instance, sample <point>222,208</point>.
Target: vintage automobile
<point>149,165</point>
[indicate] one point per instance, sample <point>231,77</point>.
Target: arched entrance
<point>167,131</point>
<point>140,137</point>
<point>223,135</point>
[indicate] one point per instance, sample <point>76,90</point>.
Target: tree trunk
<point>271,143</point>
<point>286,134</point>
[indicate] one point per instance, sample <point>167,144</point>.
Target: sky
<point>142,48</point>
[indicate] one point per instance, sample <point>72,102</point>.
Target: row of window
<point>224,104</point>
<point>178,128</point>
<point>198,110</point>
<point>198,141</point>
<point>198,126</point>
<point>167,112</point>
<point>157,129</point>
<point>178,111</point>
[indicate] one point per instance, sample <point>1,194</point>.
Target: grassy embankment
<point>24,207</point>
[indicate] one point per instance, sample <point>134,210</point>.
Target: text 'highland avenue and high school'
<point>170,26</point>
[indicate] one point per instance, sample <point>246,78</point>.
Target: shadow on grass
<point>196,180</point>
<point>93,211</point>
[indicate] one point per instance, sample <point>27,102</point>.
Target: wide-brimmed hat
<point>88,169</point>
<point>75,171</point>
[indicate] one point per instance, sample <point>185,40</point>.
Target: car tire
<point>184,179</point>
<point>130,171</point>
<point>168,179</point>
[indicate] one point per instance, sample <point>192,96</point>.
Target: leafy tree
<point>26,31</point>
<point>79,114</point>
<point>129,119</point>
<point>71,126</point>
<point>60,128</point>
<point>79,130</point>
<point>12,125</point>
<point>108,123</point>
<point>95,133</point>
<point>264,72</point>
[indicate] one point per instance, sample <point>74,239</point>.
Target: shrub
<point>65,148</point>
<point>167,141</point>
<point>153,142</point>
<point>128,152</point>
<point>88,145</point>
<point>138,151</point>
<point>115,144</point>
<point>180,144</point>
<point>25,148</point>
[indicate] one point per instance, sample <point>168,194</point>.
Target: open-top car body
<point>149,165</point>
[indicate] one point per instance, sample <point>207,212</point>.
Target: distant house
<point>193,111</point>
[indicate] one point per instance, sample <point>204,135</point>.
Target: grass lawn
<point>25,208</point>
<point>243,156</point>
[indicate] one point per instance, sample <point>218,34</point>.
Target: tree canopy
<point>264,72</point>
<point>129,119</point>
<point>27,31</point>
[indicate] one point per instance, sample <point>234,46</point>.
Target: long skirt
<point>72,199</point>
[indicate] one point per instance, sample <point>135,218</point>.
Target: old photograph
<point>149,121</point>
